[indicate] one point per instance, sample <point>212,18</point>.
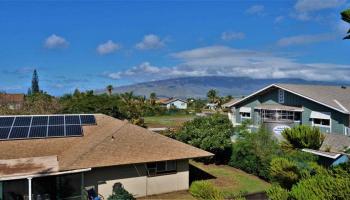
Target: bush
<point>322,187</point>
<point>303,136</point>
<point>204,190</point>
<point>276,192</point>
<point>119,193</point>
<point>284,171</point>
<point>212,133</point>
<point>253,152</point>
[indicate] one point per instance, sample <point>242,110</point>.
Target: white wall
<point>178,104</point>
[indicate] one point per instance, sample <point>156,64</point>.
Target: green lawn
<point>169,121</point>
<point>229,180</point>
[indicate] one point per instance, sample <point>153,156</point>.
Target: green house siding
<point>338,120</point>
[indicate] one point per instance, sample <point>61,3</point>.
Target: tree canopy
<point>35,83</point>
<point>346,17</point>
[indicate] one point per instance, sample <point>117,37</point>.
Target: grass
<point>170,121</point>
<point>230,181</point>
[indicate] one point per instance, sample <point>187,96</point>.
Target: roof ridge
<point>93,146</point>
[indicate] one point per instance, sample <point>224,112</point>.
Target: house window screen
<point>158,168</point>
<point>280,96</point>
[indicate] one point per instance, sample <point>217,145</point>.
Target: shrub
<point>276,192</point>
<point>284,171</point>
<point>212,133</point>
<point>303,136</point>
<point>253,152</point>
<point>205,190</point>
<point>119,193</point>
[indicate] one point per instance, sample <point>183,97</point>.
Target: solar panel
<point>56,131</point>
<point>74,130</point>
<point>40,120</point>
<point>19,132</point>
<point>88,119</point>
<point>38,132</point>
<point>4,132</point>
<point>72,119</point>
<point>22,121</point>
<point>43,126</point>
<point>6,121</point>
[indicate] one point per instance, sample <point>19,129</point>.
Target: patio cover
<point>279,107</point>
<point>319,115</point>
<point>245,109</point>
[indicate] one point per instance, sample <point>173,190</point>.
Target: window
<point>321,122</point>
<point>245,115</point>
<point>158,168</point>
<point>280,96</point>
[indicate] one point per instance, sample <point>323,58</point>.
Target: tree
<point>109,89</point>
<point>346,17</point>
<point>153,98</point>
<point>303,136</point>
<point>35,82</point>
<point>212,133</point>
<point>212,96</point>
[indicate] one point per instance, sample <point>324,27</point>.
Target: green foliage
<point>346,17</point>
<point>303,136</point>
<point>205,190</point>
<point>322,187</point>
<point>210,133</point>
<point>253,152</point>
<point>212,96</point>
<point>284,171</point>
<point>276,192</point>
<point>119,193</point>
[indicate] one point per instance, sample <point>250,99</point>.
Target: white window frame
<point>280,96</point>
<point>243,117</point>
<point>321,125</point>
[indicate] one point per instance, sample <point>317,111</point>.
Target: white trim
<point>245,109</point>
<point>42,175</point>
<point>320,115</point>
<point>274,85</point>
<point>340,105</point>
<point>321,154</point>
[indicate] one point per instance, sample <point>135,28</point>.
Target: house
<point>13,101</point>
<point>63,156</point>
<point>173,102</point>
<point>279,106</point>
<point>333,151</point>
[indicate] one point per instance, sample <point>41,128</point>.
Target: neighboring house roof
<point>335,143</point>
<point>323,153</point>
<point>172,100</point>
<point>334,97</point>
<point>110,142</point>
<point>11,98</point>
<point>230,103</point>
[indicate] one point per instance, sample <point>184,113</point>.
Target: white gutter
<point>274,85</point>
<point>321,154</point>
<point>42,175</point>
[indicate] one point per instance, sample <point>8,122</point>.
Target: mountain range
<point>197,87</point>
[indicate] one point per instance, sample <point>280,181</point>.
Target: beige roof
<point>335,97</point>
<point>110,142</point>
<point>336,143</point>
<point>231,102</point>
<point>172,100</point>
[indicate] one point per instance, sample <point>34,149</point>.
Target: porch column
<point>30,188</point>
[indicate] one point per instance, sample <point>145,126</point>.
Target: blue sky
<point>88,45</point>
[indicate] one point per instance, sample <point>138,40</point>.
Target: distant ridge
<point>197,87</point>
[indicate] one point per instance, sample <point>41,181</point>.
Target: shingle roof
<point>335,97</point>
<point>11,98</point>
<point>110,142</point>
<point>172,100</point>
<point>335,143</point>
<point>231,102</point>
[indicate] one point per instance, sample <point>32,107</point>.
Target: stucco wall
<point>338,120</point>
<point>178,104</point>
<point>134,179</point>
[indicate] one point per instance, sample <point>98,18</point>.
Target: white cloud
<point>228,36</point>
<point>256,10</point>
<point>55,41</point>
<point>226,61</point>
<point>150,41</point>
<point>304,39</point>
<point>107,47</point>
<point>279,19</point>
<point>306,9</point>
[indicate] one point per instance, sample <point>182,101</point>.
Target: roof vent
<point>343,87</point>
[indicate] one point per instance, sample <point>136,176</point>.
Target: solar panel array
<point>43,126</point>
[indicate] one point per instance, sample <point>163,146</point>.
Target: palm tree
<point>109,89</point>
<point>345,15</point>
<point>152,98</point>
<point>212,95</point>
